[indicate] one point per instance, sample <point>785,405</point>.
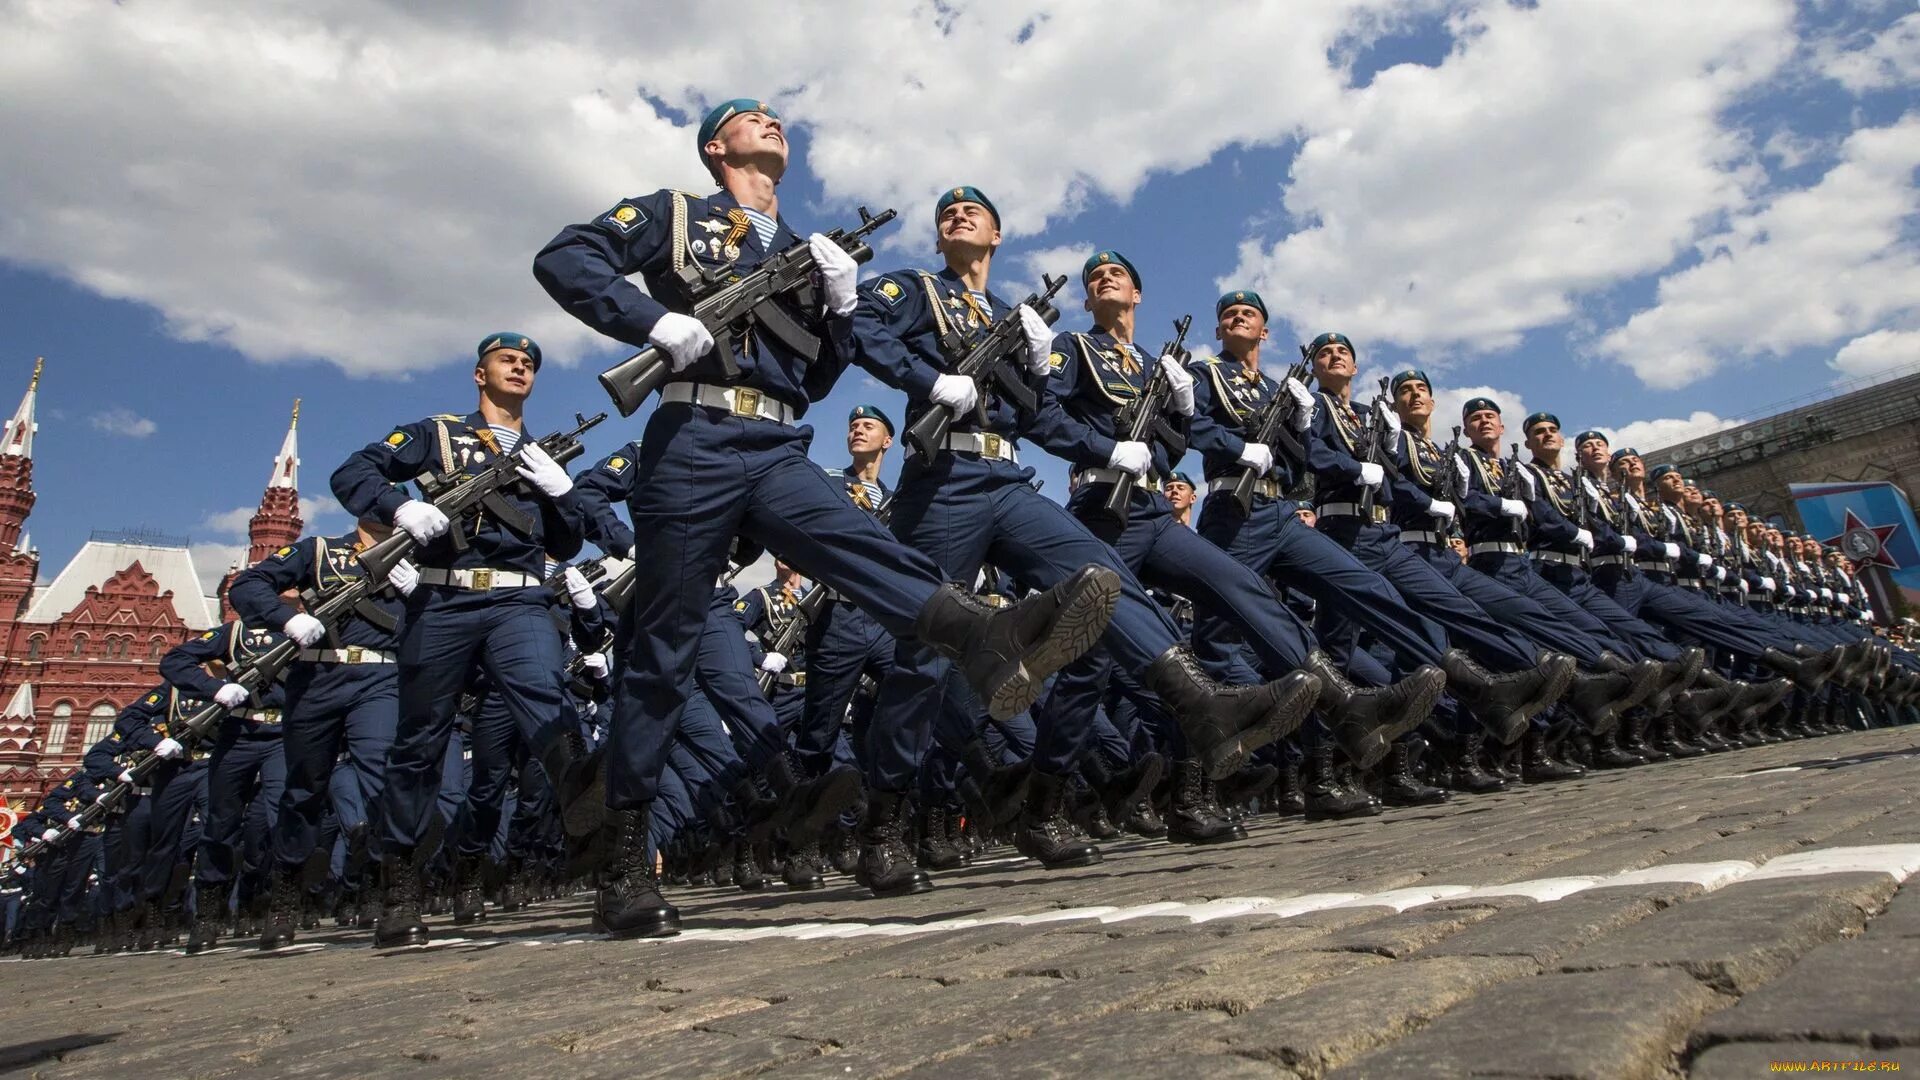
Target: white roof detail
<point>21,707</point>
<point>286,464</point>
<point>18,440</point>
<point>98,560</point>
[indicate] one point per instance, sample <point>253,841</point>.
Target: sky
<point>1653,218</point>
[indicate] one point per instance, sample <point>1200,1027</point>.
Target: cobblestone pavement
<point>1708,917</point>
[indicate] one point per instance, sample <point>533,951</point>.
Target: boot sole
<point>1366,751</point>
<point>909,889</point>
<point>1283,719</point>
<point>1082,618</point>
<point>401,941</point>
<point>1207,841</point>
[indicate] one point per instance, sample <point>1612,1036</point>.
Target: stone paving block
<point>1861,991</point>
<point>1264,979</point>
<point>1744,935</point>
<point>1314,1032</point>
<point>1403,933</point>
<point>1545,932</point>
<point>1623,1024</point>
<point>1743,1061</point>
<point>1134,1045</point>
<point>1901,917</point>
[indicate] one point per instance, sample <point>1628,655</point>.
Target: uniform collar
<point>952,279</point>
<point>724,200</point>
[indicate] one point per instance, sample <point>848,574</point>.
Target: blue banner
<point>1872,523</point>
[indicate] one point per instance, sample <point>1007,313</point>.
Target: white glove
<point>579,589</point>
<point>1524,477</point>
<point>773,663</point>
<point>1826,594</point>
<point>595,663</point>
<point>1719,573</point>
<point>50,835</point>
<point>1181,381</point>
<point>231,695</point>
<point>1514,509</point>
<point>1584,539</point>
<point>1441,508</point>
<point>838,273</point>
<point>956,392</point>
<point>1371,474</point>
<point>304,629</point>
<point>1303,403</point>
<point>1673,550</point>
<point>126,776</point>
<point>73,822</point>
<point>1039,340</point>
<point>1258,457</point>
<point>1390,418</point>
<point>1632,544</point>
<point>102,797</point>
<point>540,470</point>
<point>1586,485</point>
<point>1460,469</point>
<point>1744,587</point>
<point>423,521</point>
<point>169,748</point>
<point>1130,457</point>
<point>1706,561</point>
<point>404,578</point>
<point>684,337</point>
<point>1768,584</point>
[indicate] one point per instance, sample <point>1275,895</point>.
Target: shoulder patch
<point>739,605</point>
<point>617,464</point>
<point>626,217</point>
<point>890,291</point>
<point>283,552</point>
<point>398,439</point>
<point>209,635</point>
<point>1057,360</point>
<point>153,699</point>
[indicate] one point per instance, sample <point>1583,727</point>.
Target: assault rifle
<point>1270,428</point>
<point>991,364</point>
<point>1446,486</point>
<point>1145,420</point>
<point>618,593</point>
<point>806,609</point>
<point>734,306</point>
<point>1376,439</point>
<point>1515,487</point>
<point>456,496</point>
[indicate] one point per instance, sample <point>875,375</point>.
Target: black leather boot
<point>1329,795</point>
<point>1223,724</point>
<point>469,899</point>
<point>1289,794</point>
<point>1119,789</point>
<point>1007,654</point>
<point>804,807</point>
<point>993,793</point>
<point>400,922</point>
<point>629,904</point>
<point>1594,697</point>
<point>1042,834</point>
<point>1192,816</point>
<point>1607,753</point>
<point>1539,767</point>
<point>1367,721</point>
<point>1236,791</point>
<point>1809,670</point>
<point>1467,773</point>
<point>804,871</point>
<point>1400,787</point>
<point>747,875</point>
<point>1667,739</point>
<point>205,935</point>
<point>1501,703</point>
<point>936,849</point>
<point>886,866</point>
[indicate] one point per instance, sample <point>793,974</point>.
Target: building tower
<point>16,466</point>
<point>277,523</point>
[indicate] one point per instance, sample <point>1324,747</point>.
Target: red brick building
<point>76,650</point>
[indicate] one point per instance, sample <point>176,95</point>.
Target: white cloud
<point>123,421</point>
<point>318,506</point>
<point>1878,353</point>
<point>1651,435</point>
<point>212,561</point>
<point>1891,59</point>
<point>229,522</point>
<point>1558,149</point>
<point>1809,267</point>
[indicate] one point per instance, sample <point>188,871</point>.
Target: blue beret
<point>1183,478</point>
<point>1625,451</point>
<point>510,339</point>
<point>1580,439</point>
<point>870,412</point>
<point>1410,375</point>
<point>1537,418</point>
<point>1101,258</point>
<point>1732,506</point>
<point>1474,405</point>
<point>1240,296</point>
<point>1321,342</point>
<point>1660,471</point>
<point>966,193</point>
<point>722,113</point>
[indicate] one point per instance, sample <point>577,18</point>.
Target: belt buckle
<point>799,678</point>
<point>483,578</point>
<point>991,442</point>
<point>353,654</point>
<point>746,402</point>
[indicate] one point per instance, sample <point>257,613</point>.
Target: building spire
<point>286,466</point>
<point>18,441</point>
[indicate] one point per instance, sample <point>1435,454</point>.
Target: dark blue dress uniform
<point>78,854</point>
<point>1662,600</point>
<point>491,610</point>
<point>707,474</point>
<point>764,612</point>
<point>1095,378</point>
<point>179,787</point>
<point>1331,455</point>
<point>343,695</point>
<point>974,504</point>
<point>246,751</point>
<point>844,644</point>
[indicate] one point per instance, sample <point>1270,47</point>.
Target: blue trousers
<point>843,644</point>
<point>1645,642</point>
<point>1567,627</point>
<point>333,708</point>
<point>706,477</point>
<point>177,792</point>
<point>965,512</point>
<point>1684,613</point>
<point>239,762</point>
<point>509,633</point>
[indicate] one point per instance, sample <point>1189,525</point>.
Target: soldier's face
<point>754,137</point>
<point>1711,507</point>
<point>1672,486</point>
<point>1484,428</point>
<point>866,435</point>
<point>1694,498</point>
<point>1413,400</point>
<point>1333,360</point>
<point>1544,438</point>
<point>1632,466</point>
<point>1241,326</point>
<point>1594,455</point>
<point>1110,285</point>
<point>1180,495</point>
<point>1305,515</point>
<point>505,373</point>
<point>966,226</point>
